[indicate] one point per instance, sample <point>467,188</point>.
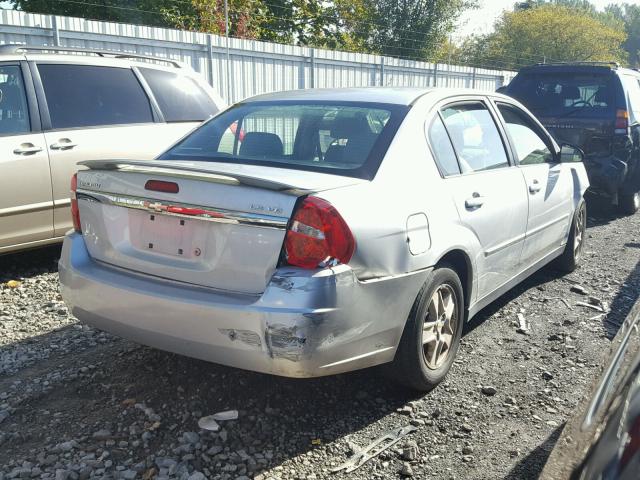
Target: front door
<point>489,192</point>
<point>550,185</point>
<point>25,194</point>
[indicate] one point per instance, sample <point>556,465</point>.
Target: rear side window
<point>529,145</point>
<point>565,93</point>
<point>179,97</point>
<point>347,138</point>
<point>632,85</point>
<point>14,116</point>
<point>443,151</point>
<point>475,137</point>
<point>87,96</point>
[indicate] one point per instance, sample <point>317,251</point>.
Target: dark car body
<point>603,440</point>
<point>595,107</point>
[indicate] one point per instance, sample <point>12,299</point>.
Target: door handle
<point>63,144</point>
<point>474,202</point>
<point>534,187</point>
<point>27,149</point>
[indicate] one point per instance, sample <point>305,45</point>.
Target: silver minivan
<point>60,106</point>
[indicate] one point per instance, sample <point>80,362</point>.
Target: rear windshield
<point>348,138</point>
<point>564,94</point>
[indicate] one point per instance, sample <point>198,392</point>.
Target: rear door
<point>25,196</point>
<point>551,185</point>
<point>96,112</point>
<point>488,191</point>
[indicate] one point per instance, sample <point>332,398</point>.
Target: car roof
<point>11,52</point>
<point>388,95</point>
<point>578,67</point>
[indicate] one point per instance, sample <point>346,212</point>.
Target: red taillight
<point>318,234</point>
<point>75,211</point>
<point>162,186</point>
<point>622,120</point>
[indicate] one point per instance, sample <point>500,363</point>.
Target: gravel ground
<point>79,403</point>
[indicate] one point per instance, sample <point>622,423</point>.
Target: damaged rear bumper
<point>305,324</point>
<point>607,173</point>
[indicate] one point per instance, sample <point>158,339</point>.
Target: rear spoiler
<point>190,171</point>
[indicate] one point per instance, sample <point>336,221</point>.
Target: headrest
<point>261,144</point>
<point>348,126</point>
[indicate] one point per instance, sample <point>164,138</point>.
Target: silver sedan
<point>316,232</point>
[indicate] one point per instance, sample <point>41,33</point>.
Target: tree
<point>630,16</point>
<point>407,28</point>
<point>581,5</point>
<point>245,16</point>
<point>552,33</point>
<point>145,12</point>
<point>302,22</point>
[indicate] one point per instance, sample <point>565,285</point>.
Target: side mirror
<point>570,154</point>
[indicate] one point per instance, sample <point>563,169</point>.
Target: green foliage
<point>245,16</point>
<point>549,33</point>
<point>537,30</point>
<point>145,12</point>
<point>409,28</point>
<point>302,22</point>
<point>403,28</point>
<point>629,15</point>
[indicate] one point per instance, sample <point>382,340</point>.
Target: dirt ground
<point>79,403</point>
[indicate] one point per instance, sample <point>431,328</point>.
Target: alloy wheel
<point>439,327</point>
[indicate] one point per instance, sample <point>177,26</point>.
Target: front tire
<point>629,203</point>
<point>573,251</point>
<point>431,336</point>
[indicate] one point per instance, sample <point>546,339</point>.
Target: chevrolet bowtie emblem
<point>158,207</point>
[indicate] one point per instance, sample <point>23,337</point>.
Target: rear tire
<point>573,251</point>
<point>431,336</point>
<point>629,203</point>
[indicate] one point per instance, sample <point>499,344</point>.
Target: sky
<point>481,20</point>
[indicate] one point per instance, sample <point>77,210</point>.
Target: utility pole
<point>226,35</point>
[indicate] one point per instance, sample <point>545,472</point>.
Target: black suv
<point>595,106</point>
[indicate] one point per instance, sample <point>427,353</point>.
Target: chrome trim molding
<point>504,245</point>
<point>65,202</point>
<point>184,210</point>
<point>21,209</point>
<point>547,225</point>
<point>28,245</point>
<point>530,233</point>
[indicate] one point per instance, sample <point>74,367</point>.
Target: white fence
<point>242,68</point>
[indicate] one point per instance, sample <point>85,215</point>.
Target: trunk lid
<point>224,229</point>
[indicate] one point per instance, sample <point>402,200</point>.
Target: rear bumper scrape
<point>305,323</point>
<point>606,173</point>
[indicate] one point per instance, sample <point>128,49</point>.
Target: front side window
<point>475,137</point>
<point>348,138</point>
<point>87,96</point>
<point>179,97</point>
<point>529,145</point>
<point>14,115</point>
